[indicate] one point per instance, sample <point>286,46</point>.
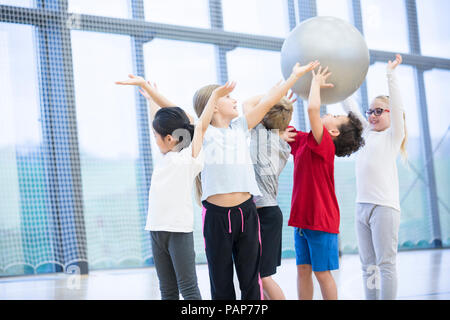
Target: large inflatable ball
<point>336,44</point>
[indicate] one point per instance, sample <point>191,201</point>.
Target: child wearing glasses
<point>377,201</point>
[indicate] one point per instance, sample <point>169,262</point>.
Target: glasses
<point>376,111</point>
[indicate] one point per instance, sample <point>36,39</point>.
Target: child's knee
<point>266,280</point>
<point>304,269</point>
<point>323,275</point>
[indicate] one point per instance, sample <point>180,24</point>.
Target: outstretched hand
<point>287,135</point>
<point>289,97</point>
<point>133,80</point>
<point>207,114</point>
<point>321,77</point>
<point>224,90</point>
<point>152,86</point>
<point>299,70</point>
<point>393,64</point>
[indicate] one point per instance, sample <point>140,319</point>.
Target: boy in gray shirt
<point>270,153</point>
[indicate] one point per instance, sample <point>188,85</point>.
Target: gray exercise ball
<point>336,44</point>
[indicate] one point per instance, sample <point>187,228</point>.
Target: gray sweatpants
<point>377,233</point>
<point>174,257</point>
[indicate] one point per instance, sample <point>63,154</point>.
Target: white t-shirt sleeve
<point>157,157</point>
<point>194,164</point>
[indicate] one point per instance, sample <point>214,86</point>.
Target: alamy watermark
<point>73,281</point>
<point>232,148</point>
<point>73,21</point>
<point>373,280</point>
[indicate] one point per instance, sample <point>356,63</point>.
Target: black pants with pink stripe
<point>232,234</point>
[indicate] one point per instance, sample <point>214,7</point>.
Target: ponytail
<point>198,189</point>
<point>190,128</point>
<point>403,151</point>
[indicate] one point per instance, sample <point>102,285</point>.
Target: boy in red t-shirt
<point>314,207</point>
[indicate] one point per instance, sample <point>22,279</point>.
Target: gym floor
<point>422,275</point>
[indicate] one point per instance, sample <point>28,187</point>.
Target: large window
<point>108,143</point>
<point>385,26</point>
<point>25,239</point>
<point>193,13</point>
<point>263,17</point>
<point>255,71</point>
<point>334,8</point>
<point>108,8</point>
<point>179,68</point>
<point>434,27</point>
<point>20,3</point>
<point>77,151</point>
<point>436,82</point>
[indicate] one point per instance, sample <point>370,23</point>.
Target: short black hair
<point>350,137</point>
<point>168,120</point>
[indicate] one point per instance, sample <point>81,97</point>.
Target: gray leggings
<point>377,232</point>
<point>174,257</point>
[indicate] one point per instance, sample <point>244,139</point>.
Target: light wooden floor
<point>421,275</point>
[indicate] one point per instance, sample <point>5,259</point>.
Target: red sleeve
<point>325,149</point>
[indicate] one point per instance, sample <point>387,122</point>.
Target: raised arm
<point>256,114</point>
<point>395,101</point>
<point>151,93</point>
<point>250,103</point>
<point>318,81</point>
<point>350,105</point>
<point>205,118</point>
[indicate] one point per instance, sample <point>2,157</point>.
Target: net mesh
<point>76,151</point>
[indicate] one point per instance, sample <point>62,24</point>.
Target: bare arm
<point>159,99</point>
<point>152,106</point>
<point>151,93</point>
<point>395,101</point>
<point>205,118</point>
<point>256,114</point>
<point>250,103</point>
<point>318,81</point>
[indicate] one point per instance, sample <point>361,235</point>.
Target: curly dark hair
<point>350,137</point>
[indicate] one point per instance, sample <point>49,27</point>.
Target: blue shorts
<point>317,248</point>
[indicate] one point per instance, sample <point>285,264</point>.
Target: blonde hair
<point>403,151</point>
<point>200,100</point>
<point>279,115</point>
